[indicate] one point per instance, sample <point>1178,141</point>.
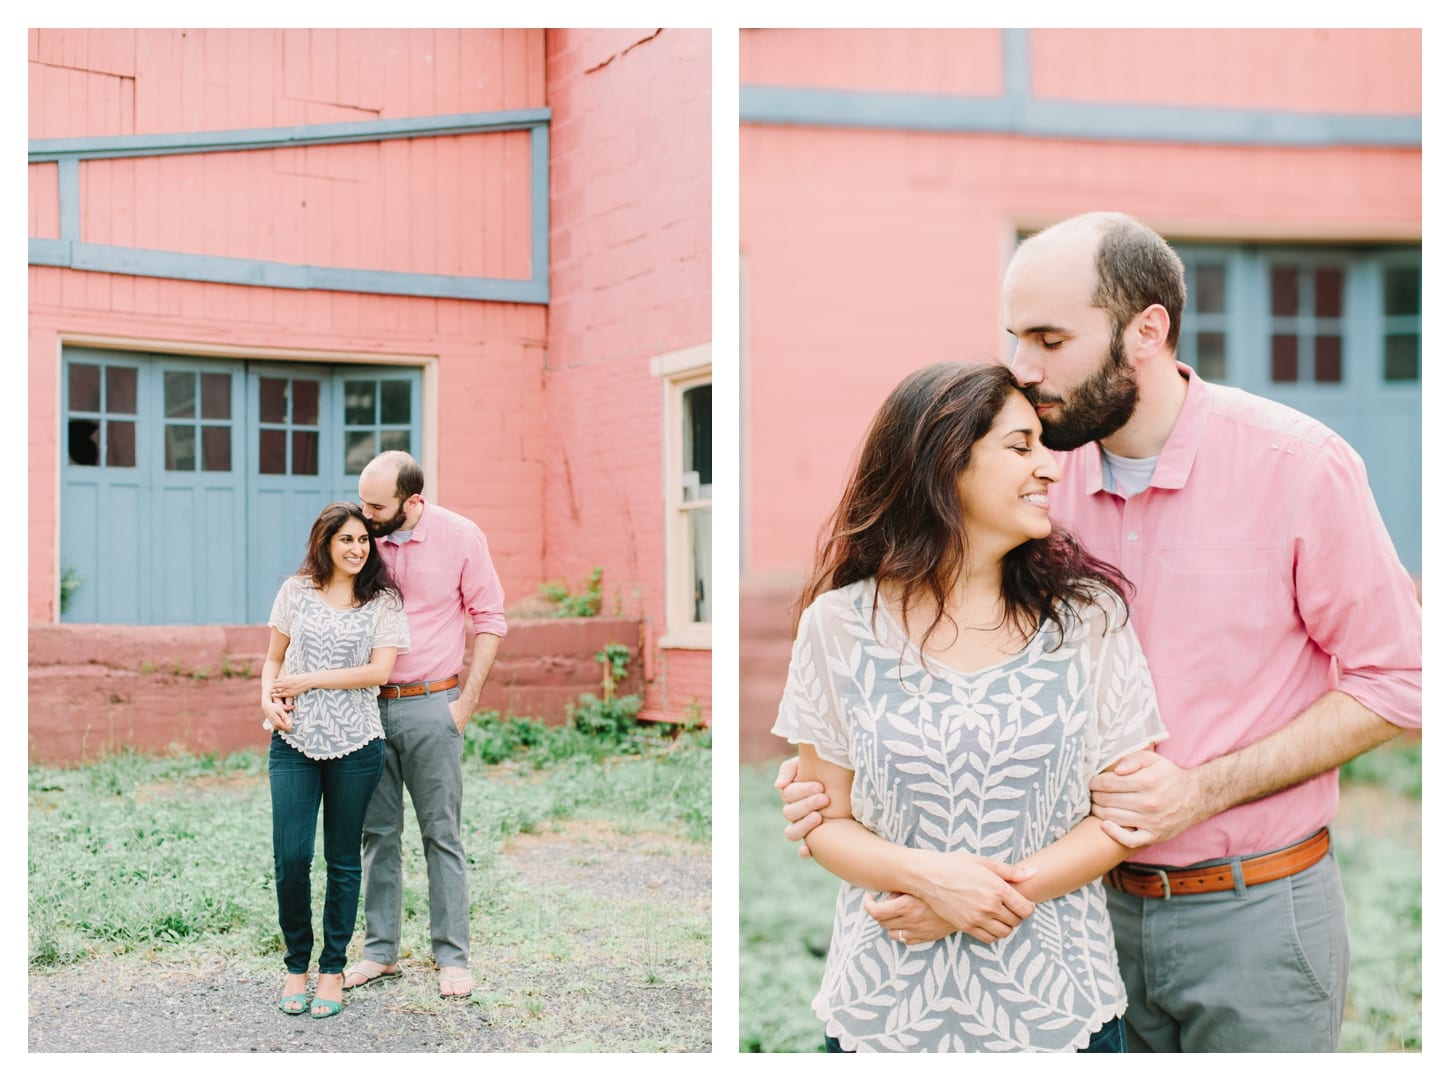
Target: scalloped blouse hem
<point>331,754</point>
<point>854,1043</point>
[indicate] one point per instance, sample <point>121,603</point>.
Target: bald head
<point>1125,266</point>
<point>390,489</point>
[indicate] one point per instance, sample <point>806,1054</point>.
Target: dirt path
<point>135,1003</point>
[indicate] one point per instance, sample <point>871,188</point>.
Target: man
<point>1281,630</point>
<point>440,561</point>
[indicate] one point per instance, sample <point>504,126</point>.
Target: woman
<point>960,670</point>
<point>337,626</point>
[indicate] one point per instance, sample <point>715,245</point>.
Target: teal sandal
<point>329,1008</point>
<point>299,1001</point>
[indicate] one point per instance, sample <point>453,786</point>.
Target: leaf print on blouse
<point>995,763</point>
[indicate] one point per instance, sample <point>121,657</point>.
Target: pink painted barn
<point>885,176</point>
<point>257,257</point>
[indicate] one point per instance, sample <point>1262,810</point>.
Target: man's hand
<point>975,894</point>
<point>460,713</point>
<point>804,801</point>
<point>1145,799</point>
<point>907,919</point>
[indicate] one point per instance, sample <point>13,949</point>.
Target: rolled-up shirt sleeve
<point>1356,598</point>
<point>481,588</point>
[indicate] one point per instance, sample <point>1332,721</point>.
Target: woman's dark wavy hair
<point>901,520</point>
<point>317,563</point>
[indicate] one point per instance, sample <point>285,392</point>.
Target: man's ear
<point>1147,334</point>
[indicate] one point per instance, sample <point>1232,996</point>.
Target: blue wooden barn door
<point>1333,332</point>
<point>188,485</point>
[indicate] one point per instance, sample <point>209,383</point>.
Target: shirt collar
<point>417,533</point>
<point>1175,460</point>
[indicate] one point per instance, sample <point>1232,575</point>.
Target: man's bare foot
<point>366,971</point>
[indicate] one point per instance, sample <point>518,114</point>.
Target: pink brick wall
<point>629,280</point>
<point>155,689</point>
<point>869,253</point>
<point>324,205</point>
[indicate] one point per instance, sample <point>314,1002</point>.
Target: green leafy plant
<point>612,718</point>
<point>570,604</point>
<point>70,581</point>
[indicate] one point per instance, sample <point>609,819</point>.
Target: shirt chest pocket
<point>1207,624</point>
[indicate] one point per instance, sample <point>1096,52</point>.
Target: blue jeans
<point>1111,1037</point>
<point>342,787</point>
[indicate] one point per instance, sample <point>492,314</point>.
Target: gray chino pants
<point>1257,968</point>
<point>425,756</point>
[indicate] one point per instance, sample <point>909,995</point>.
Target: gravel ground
<point>136,1003</point>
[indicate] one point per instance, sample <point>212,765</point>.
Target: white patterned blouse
<point>329,723</point>
<point>994,762</point>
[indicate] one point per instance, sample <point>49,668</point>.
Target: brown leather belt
<point>409,690</point>
<point>1142,880</point>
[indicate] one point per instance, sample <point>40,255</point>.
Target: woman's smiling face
<point>1003,490</point>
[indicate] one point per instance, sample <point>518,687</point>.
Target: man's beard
<point>1096,408</point>
<point>382,529</point>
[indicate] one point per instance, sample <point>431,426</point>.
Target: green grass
<point>785,929</point>
<point>171,858</point>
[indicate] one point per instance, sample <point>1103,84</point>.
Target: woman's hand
<point>975,895</point>
<point>908,919</point>
<point>292,686</point>
<point>277,714</point>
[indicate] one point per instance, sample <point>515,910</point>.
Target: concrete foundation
<point>97,690</point>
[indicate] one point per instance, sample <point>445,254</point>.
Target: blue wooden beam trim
<point>872,109</point>
<point>539,201</point>
<point>45,251</point>
<point>184,266</point>
<point>68,184</point>
<point>1017,64</point>
<point>210,142</point>
<point>1076,120</point>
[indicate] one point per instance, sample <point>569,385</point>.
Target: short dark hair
<point>410,478</point>
<point>900,518</point>
<point>1136,269</point>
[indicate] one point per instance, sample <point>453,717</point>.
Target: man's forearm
<point>1334,729</point>
<point>485,649</point>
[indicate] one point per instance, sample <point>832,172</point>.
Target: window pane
<point>121,444</point>
<point>273,394</point>
<point>359,401</point>
<point>397,403</point>
<point>394,441</point>
<point>1284,285</point>
<point>1328,293</point>
<point>359,448</point>
<point>271,451</point>
<point>1212,363</point>
<point>180,448</point>
<point>85,388</point>
<point>304,454</point>
<point>1327,362</point>
<point>1402,356</point>
<point>1285,359</point>
<point>216,396</point>
<point>700,563</point>
<point>304,401</point>
<point>120,390</point>
<point>181,394</point>
<point>1402,291</point>
<point>697,432</point>
<point>1210,288</point>
<point>83,442</point>
<point>216,448</point>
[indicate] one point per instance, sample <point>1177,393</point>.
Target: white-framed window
<point>686,381</point>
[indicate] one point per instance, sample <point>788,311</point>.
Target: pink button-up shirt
<point>450,592</point>
<point>1260,560</point>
